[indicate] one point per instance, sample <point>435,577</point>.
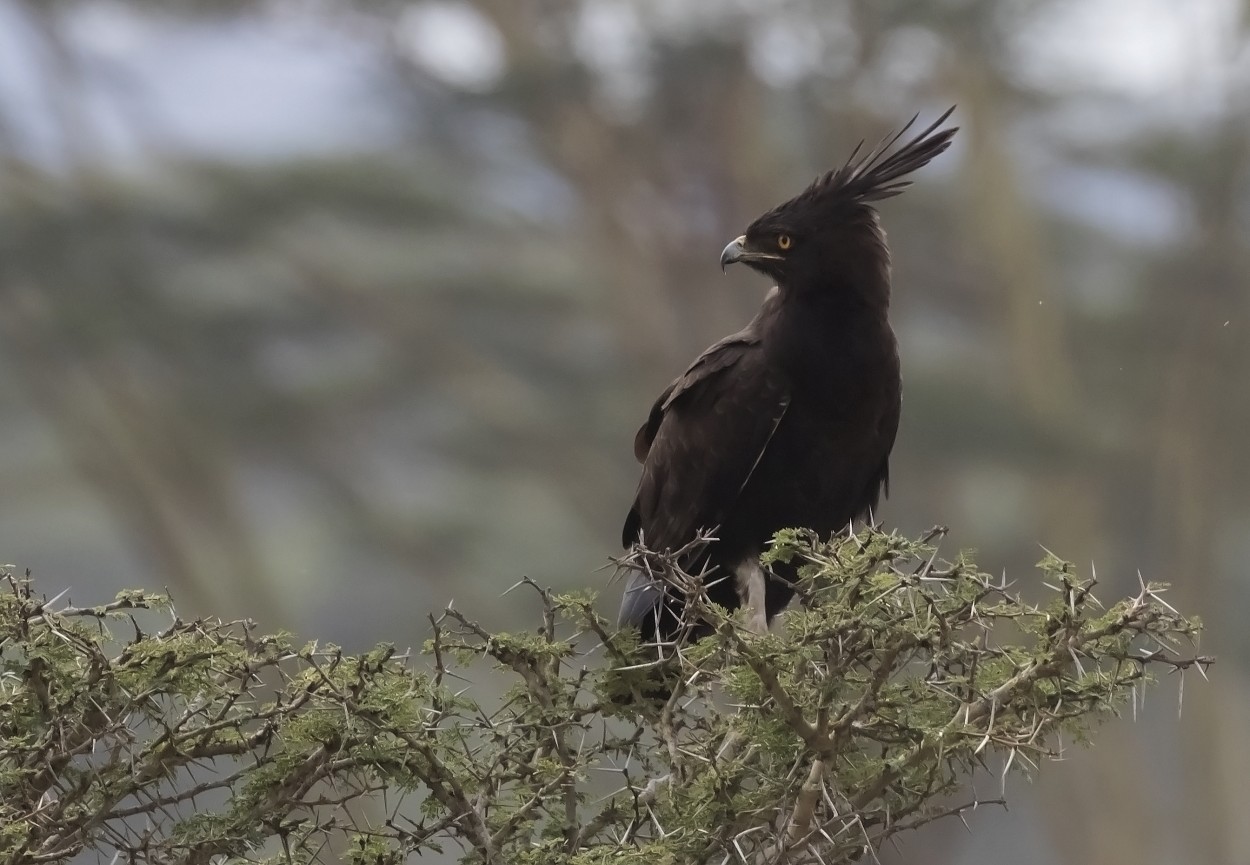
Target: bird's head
<point>782,243</point>
<point>766,249</point>
<point>831,227</point>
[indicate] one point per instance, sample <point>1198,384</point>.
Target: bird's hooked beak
<point>738,251</point>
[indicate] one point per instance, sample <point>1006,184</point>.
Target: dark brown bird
<point>790,421</point>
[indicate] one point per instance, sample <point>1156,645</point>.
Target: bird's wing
<point>704,437</point>
<point>717,357</point>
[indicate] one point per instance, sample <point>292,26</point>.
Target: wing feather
<point>703,439</point>
<point>717,357</point>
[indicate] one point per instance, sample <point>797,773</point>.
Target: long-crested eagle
<point>790,421</point>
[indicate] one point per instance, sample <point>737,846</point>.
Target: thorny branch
<point>132,733</point>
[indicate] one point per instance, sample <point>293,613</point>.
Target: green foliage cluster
<point>896,678</point>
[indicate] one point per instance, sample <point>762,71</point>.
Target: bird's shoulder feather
<point>719,356</point>
<point>703,439</point>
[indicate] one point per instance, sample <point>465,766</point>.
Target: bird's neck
<point>837,326</point>
<point>850,294</point>
<point>843,297</point>
<point>851,279</point>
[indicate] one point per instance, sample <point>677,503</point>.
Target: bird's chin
<point>765,266</point>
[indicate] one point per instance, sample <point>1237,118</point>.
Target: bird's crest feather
<point>877,174</point>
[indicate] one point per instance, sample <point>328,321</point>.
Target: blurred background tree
<point>329,313</point>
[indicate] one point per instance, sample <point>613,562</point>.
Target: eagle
<point>790,421</point>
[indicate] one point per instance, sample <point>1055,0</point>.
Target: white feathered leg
<point>749,579</point>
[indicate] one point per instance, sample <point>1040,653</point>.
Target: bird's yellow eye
<point>784,241</point>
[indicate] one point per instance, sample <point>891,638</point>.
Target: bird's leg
<point>750,582</point>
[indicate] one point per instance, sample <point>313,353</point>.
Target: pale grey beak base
<point>734,251</point>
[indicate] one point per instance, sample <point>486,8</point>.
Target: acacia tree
<point>897,677</point>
